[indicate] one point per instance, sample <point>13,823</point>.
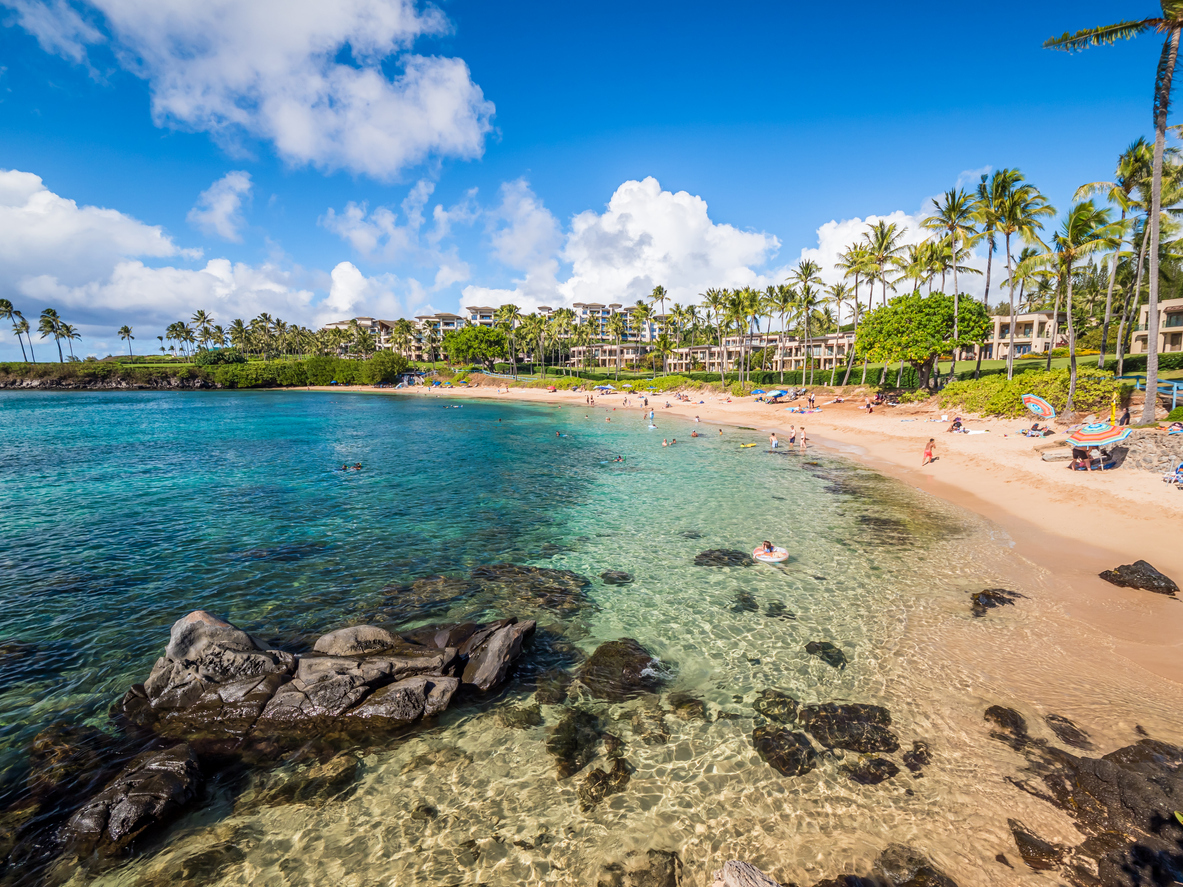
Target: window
<point>1174,320</point>
<point>1004,331</point>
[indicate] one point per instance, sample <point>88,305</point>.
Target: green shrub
<point>995,395</point>
<point>1136,363</point>
<point>210,358</point>
<point>384,367</point>
<point>282,373</point>
<point>1175,415</point>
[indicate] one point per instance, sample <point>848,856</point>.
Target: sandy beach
<point>1074,524</point>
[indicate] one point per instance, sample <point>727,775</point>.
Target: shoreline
<point>1073,524</point>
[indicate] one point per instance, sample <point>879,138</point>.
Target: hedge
<point>1136,363</point>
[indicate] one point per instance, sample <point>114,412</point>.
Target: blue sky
<point>382,157</point>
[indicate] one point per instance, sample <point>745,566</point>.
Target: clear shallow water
<point>121,512</point>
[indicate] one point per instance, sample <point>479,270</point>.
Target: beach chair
<point>1176,478</point>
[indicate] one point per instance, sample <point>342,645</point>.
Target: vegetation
<point>999,396</point>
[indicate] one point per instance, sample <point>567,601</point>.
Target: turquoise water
<point>121,512</point>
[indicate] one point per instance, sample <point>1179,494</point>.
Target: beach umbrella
<point>758,391</point>
<point>1040,407</point>
<point>627,385</point>
<point>778,393</point>
<point>1098,434</point>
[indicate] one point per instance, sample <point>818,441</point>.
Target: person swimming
<point>357,467</point>
<point>766,547</point>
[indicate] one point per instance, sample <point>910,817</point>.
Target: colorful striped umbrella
<point>1039,406</point>
<point>1098,434</point>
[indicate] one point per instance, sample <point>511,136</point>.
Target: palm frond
<point>1102,36</point>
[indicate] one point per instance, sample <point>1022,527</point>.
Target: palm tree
<point>1169,23</point>
<point>1133,166</point>
<point>125,334</point>
<point>837,294</point>
<point>51,325</point>
<point>782,301</point>
<point>1084,231</point>
<point>658,296</point>
<point>1018,212</point>
<point>71,335</point>
<point>202,321</point>
<point>239,335</point>
<point>664,346</point>
<point>21,328</point>
<point>508,316</point>
<point>955,216</point>
<point>806,281</point>
<point>882,242</point>
<point>991,192</point>
<point>715,300</point>
<point>7,312</point>
<point>616,330</point>
<point>642,316</point>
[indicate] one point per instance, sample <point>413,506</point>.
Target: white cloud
<point>219,207</point>
<point>649,237</point>
<point>525,234</point>
<point>40,230</point>
<point>272,69</point>
<point>353,293</point>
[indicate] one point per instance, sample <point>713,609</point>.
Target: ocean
<point>121,512</point>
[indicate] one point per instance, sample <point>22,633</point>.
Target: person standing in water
<point>773,442</point>
<point>802,438</point>
<point>928,448</point>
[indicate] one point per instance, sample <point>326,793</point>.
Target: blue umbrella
<point>758,391</point>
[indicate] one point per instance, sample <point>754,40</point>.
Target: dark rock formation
<point>70,759</point>
<point>777,610</point>
<point>573,741</point>
<point>789,753</point>
<point>855,727</point>
<point>723,557</point>
<point>827,653</point>
<point>1012,727</point>
<point>600,783</point>
<point>620,670</point>
<point>1140,574</point>
<point>776,706</point>
<point>216,684</point>
<point>155,787</point>
<point>1036,852</point>
<point>989,598</point>
<point>616,577</point>
<point>648,721</point>
<point>871,771</point>
<point>897,866</point>
<point>315,784</point>
<point>1124,804</point>
<point>656,868</point>
<point>919,757</point>
<point>551,687</point>
<point>507,588</point>
<point>1067,732</point>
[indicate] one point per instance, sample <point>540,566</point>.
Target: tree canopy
<point>919,328</point>
<point>478,344</point>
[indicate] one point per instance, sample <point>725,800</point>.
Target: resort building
<point>1035,332</point>
<point>1170,327</point>
<point>379,329</point>
<point>605,355</point>
<point>481,316</point>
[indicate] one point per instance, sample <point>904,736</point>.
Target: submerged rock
<point>551,687</point>
<point>897,866</point>
<point>919,757</point>
<point>789,753</point>
<point>520,717</point>
<point>489,662</point>
<point>313,784</point>
<point>745,603</point>
<point>648,720</point>
<point>616,577</point>
<point>1140,574</point>
<point>776,706</point>
<point>989,598</point>
<point>1012,727</point>
<point>1067,732</point>
<point>777,610</point>
<point>599,783</point>
<point>855,727</point>
<point>723,557</point>
<point>153,788</point>
<point>871,771</point>
<point>827,653</point>
<point>620,670</point>
<point>1037,853</point>
<point>573,741</point>
<point>688,707</point>
<point>71,759</point>
<point>656,868</point>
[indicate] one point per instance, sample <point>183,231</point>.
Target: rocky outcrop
<point>655,868</point>
<point>154,788</point>
<point>620,670</point>
<point>1140,574</point>
<point>1124,804</point>
<point>740,874</point>
<point>897,866</point>
<point>217,683</point>
<point>616,577</point>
